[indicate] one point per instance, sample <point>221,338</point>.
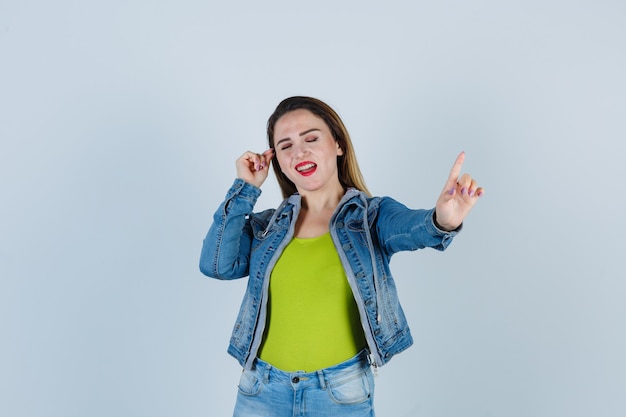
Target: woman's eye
<point>285,147</point>
<point>311,139</point>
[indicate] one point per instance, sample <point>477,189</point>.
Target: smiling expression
<point>306,151</point>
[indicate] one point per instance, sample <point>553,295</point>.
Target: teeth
<point>305,167</point>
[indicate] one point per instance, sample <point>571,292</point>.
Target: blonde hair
<point>347,165</point>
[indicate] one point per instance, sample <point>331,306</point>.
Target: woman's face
<point>306,151</point>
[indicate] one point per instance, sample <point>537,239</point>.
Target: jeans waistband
<point>302,379</point>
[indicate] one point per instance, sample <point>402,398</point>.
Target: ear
<point>339,150</point>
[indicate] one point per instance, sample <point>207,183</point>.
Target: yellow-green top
<point>313,321</point>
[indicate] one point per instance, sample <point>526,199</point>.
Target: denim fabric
<point>346,389</point>
<point>366,232</point>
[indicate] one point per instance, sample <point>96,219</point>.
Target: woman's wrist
<point>442,227</point>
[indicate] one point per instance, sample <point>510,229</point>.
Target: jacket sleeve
<point>227,245</point>
<point>400,228</point>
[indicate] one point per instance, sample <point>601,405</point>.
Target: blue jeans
<point>346,389</point>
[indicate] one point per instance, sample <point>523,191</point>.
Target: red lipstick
<point>306,168</point>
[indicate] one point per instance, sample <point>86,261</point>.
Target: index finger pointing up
<point>455,172</point>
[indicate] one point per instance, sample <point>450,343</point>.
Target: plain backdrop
<point>120,122</point>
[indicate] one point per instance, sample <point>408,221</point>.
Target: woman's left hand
<point>457,198</point>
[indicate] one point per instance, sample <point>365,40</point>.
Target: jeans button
<point>295,380</point>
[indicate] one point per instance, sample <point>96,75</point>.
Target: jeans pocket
<point>353,389</point>
<point>249,384</point>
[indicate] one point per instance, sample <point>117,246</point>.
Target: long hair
<point>347,165</point>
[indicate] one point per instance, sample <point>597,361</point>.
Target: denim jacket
<point>366,233</point>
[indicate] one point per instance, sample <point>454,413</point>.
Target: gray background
<point>120,122</point>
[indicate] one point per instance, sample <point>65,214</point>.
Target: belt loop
<point>266,374</point>
<point>322,379</point>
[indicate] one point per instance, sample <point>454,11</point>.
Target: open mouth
<point>306,168</point>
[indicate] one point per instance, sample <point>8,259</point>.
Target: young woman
<point>320,308</point>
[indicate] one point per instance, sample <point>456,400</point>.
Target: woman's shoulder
<point>266,214</point>
<point>370,201</point>
<point>263,214</point>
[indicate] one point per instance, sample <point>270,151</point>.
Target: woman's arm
<point>227,246</point>
<point>400,228</point>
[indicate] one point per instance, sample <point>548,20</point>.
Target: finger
<point>259,162</point>
<point>251,159</point>
<point>264,160</point>
<point>464,184</point>
<point>455,172</point>
<point>474,190</point>
<point>471,191</point>
<point>266,157</point>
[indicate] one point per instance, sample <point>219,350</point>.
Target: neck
<point>321,201</point>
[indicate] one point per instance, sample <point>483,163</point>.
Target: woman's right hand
<point>253,168</point>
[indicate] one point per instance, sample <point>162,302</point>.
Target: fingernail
<point>471,193</point>
<point>451,191</point>
<point>480,194</point>
<point>463,191</point>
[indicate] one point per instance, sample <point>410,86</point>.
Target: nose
<point>301,149</point>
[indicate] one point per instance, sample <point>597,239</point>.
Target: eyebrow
<point>301,134</point>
